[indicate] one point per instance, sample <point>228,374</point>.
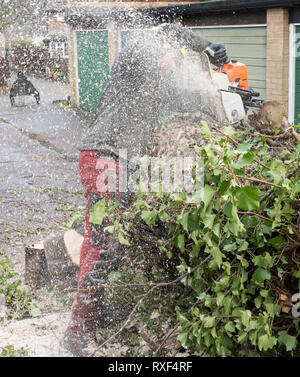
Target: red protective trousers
<point>95,171</point>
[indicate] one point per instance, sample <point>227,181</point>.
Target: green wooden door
<point>297,76</point>
<point>93,67</point>
<point>247,45</point>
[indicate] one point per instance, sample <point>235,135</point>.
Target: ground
<point>40,185</point>
<point>40,190</point>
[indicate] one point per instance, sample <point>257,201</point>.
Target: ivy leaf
<point>97,212</point>
<point>182,338</point>
<point>179,242</point>
<point>290,342</point>
<point>258,301</point>
<point>243,261</point>
<point>266,342</point>
<point>224,187</point>
<point>110,229</point>
<point>216,254</point>
<point>297,274</point>
<point>277,242</point>
<point>230,327</point>
<point>193,222</point>
<point>217,229</point>
<point>209,322</point>
<point>228,209</point>
<point>244,160</point>
<point>245,317</point>
<point>243,338</point>
<point>230,247</point>
<point>229,131</point>
<point>264,293</point>
<point>248,198</point>
<point>277,171</point>
<point>207,196</point>
<point>183,220</point>
<point>244,147</point>
<point>123,240</point>
<point>114,276</point>
<point>205,129</point>
<point>273,309</point>
<point>263,260</point>
<point>260,275</point>
<point>220,298</point>
<point>208,220</point>
<point>243,245</point>
<point>149,216</point>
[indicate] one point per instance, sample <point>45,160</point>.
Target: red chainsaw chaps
<point>99,176</point>
<point>86,306</point>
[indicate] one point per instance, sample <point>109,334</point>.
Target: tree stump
<point>36,271</point>
<point>55,261</point>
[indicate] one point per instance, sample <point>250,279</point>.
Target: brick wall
<point>278,55</point>
<point>54,24</point>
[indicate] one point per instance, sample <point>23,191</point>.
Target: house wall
<point>54,24</point>
<point>246,44</point>
<point>278,55</point>
<point>277,48</point>
<point>236,18</point>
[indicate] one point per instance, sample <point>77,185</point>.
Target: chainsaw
<point>231,80</point>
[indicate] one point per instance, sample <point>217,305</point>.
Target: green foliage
<point>23,42</point>
<point>17,300</point>
<point>10,351</point>
<point>58,72</point>
<point>76,217</point>
<point>244,220</point>
<point>97,212</point>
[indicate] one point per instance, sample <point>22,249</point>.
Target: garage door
<point>297,77</point>
<point>92,67</point>
<point>247,45</point>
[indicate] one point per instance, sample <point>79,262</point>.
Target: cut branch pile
<point>216,274</point>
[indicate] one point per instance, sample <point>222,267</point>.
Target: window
<point>58,49</point>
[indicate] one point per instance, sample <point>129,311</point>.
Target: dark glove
<point>216,53</point>
<point>108,262</point>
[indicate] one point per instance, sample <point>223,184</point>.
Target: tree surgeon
<point>140,86</point>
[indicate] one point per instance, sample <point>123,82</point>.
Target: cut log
<point>56,260</point>
<point>36,271</point>
<point>272,113</point>
<point>73,241</point>
<point>63,254</point>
